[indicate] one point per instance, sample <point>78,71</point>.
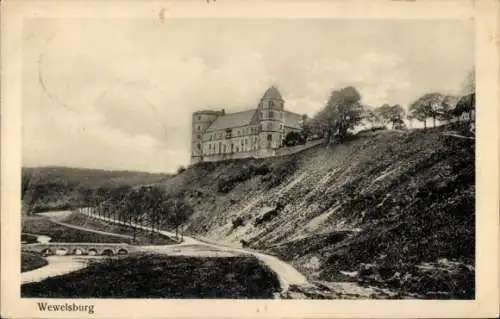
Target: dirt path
<point>92,230</point>
<point>58,265</point>
<point>287,274</point>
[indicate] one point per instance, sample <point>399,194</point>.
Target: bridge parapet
<point>92,249</point>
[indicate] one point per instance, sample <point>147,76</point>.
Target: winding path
<point>286,273</point>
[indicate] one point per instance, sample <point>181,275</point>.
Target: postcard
<point>250,159</point>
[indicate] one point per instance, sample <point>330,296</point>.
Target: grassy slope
<point>154,276</point>
<point>60,233</point>
<point>31,261</point>
<point>142,237</point>
<point>392,200</point>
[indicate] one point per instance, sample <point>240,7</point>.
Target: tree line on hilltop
<point>344,111</point>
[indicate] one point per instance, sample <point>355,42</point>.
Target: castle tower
<point>200,122</point>
<point>271,119</point>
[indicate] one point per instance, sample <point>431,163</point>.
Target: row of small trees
<point>437,106</point>
<point>144,206</point>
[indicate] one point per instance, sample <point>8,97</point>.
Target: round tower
<point>271,119</point>
<point>200,122</point>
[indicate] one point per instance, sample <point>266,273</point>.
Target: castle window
<point>261,114</point>
<point>269,126</point>
<point>261,127</point>
<point>237,149</point>
<point>281,126</point>
<point>199,147</point>
<point>271,114</point>
<point>271,104</point>
<point>269,137</point>
<point>199,117</point>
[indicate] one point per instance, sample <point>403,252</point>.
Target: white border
<point>487,42</point>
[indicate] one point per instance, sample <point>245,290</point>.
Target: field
<point>63,234</point>
<point>160,276</point>
<point>142,237</point>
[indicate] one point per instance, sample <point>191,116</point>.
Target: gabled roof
<point>293,119</point>
<point>272,93</point>
<point>231,120</point>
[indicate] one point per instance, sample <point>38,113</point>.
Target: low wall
<point>295,149</point>
<point>265,153</point>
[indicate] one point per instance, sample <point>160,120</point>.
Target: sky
<point>119,94</point>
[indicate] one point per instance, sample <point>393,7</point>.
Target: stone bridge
<point>91,249</point>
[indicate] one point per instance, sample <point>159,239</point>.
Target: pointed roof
<point>272,93</point>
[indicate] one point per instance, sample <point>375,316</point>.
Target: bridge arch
<point>92,252</point>
<point>61,251</point>
<point>122,251</point>
<point>47,252</point>
<point>78,251</point>
<point>107,252</point>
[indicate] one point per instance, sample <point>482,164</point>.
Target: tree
<point>180,211</point>
<point>391,114</point>
<point>133,204</point>
<point>426,107</point>
<point>342,112</point>
<point>383,112</point>
<point>372,117</point>
<point>444,111</point>
<point>294,138</point>
<point>467,104</point>
<point>396,115</point>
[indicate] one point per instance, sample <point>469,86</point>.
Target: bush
<point>239,175</point>
<point>281,172</point>
<point>238,221</point>
<point>266,217</point>
<point>294,138</point>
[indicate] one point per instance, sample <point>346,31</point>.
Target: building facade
<point>217,135</point>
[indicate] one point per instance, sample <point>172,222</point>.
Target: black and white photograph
<point>247,158</point>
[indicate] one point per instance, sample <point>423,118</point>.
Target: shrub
<point>281,172</point>
<point>266,217</point>
<point>238,221</point>
<point>238,175</point>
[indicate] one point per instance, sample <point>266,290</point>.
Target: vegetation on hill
<point>57,188</point>
<point>32,261</point>
<point>397,203</point>
<point>160,276</point>
<point>65,234</point>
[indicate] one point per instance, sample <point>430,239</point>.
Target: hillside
<point>387,208</point>
<point>47,188</point>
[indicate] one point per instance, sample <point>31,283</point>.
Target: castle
<point>257,132</point>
